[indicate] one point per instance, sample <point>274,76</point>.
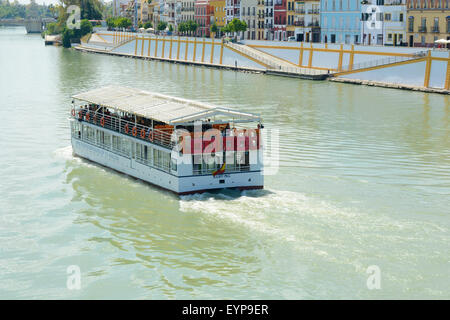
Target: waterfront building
<point>260,21</point>
<point>340,21</point>
<point>290,14</point>
<point>383,22</point>
<point>169,11</point>
<point>119,7</point>
<point>279,20</point>
<point>187,10</point>
<point>202,15</point>
<point>268,23</point>
<point>218,8</point>
<point>144,11</point>
<point>307,20</point>
<point>233,9</point>
<point>427,21</point>
<point>248,14</point>
<point>154,9</point>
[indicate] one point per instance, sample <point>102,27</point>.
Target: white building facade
<point>383,22</point>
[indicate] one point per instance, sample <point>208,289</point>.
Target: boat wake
<point>64,153</point>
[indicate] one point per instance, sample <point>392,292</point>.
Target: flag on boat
<point>219,171</point>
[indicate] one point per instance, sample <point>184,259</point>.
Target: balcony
<point>268,3</point>
<point>435,29</point>
<point>315,11</point>
<point>313,24</point>
<point>300,11</point>
<point>422,29</point>
<point>299,23</point>
<point>394,2</point>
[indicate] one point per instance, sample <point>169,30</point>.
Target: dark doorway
<point>411,41</point>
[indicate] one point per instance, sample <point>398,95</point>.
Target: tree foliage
<point>214,28</point>
<point>162,25</point>
<point>16,10</point>
<point>69,35</point>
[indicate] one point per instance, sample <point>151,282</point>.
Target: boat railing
<point>121,125</point>
<point>228,169</point>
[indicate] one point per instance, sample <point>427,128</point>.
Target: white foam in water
<point>65,153</point>
<point>267,211</point>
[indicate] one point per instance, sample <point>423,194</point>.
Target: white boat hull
<point>178,184</point>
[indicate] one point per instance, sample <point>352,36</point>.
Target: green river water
<point>363,180</point>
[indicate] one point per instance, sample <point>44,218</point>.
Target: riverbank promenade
<point>393,67</point>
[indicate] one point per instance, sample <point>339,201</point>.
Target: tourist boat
<point>180,145</point>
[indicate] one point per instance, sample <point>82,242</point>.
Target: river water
<point>363,180</point>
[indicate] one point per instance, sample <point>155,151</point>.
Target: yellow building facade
<point>218,8</point>
<point>427,21</point>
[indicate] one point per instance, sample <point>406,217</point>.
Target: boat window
<point>107,140</point>
<point>173,164</point>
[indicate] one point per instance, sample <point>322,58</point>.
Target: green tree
<point>162,25</point>
<point>170,28</point>
<point>182,28</point>
<point>123,23</point>
<point>147,25</point>
<point>214,28</point>
<point>111,23</point>
<point>67,35</point>
<point>85,27</point>
<point>192,26</point>
<point>236,26</point>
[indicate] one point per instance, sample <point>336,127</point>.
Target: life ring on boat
<point>142,133</point>
<point>80,115</point>
<point>126,128</point>
<point>150,135</point>
<point>73,112</point>
<point>88,116</point>
<point>134,131</point>
<point>102,121</point>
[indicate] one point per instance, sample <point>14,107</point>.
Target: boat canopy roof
<point>159,107</point>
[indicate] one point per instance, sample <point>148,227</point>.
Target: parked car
<point>291,39</point>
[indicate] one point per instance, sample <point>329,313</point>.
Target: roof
<point>157,106</point>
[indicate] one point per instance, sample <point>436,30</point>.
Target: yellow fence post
<point>170,50</point>
<point>195,49</point>
<point>352,55</point>
<point>142,48</point>
<point>203,51</point>
<point>212,51</point>
<point>156,46</point>
<point>221,52</point>
<point>186,49</point>
<point>447,77</point>
<point>300,57</point>
<point>341,56</point>
<point>311,51</point>
<point>164,47</point>
<point>178,48</point>
<point>149,45</point>
<point>135,46</point>
<point>426,82</point>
